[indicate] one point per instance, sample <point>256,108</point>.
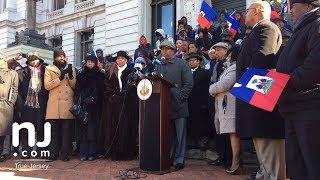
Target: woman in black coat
<point>89,91</point>
<point>120,112</point>
<point>32,100</point>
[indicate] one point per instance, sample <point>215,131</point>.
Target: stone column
<point>31,14</point>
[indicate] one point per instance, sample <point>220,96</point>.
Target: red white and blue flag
<point>260,88</point>
<point>207,15</point>
<point>234,24</point>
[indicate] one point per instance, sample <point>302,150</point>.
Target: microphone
<point>157,67</point>
<point>139,64</point>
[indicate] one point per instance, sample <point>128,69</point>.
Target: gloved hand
<point>89,100</point>
<point>62,75</point>
<point>70,72</point>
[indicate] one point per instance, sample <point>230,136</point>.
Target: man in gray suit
<point>178,73</point>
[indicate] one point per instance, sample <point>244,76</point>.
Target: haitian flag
<point>274,14</point>
<point>235,25</point>
<point>207,15</point>
<point>260,88</point>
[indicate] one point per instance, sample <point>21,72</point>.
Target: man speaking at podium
<point>177,72</point>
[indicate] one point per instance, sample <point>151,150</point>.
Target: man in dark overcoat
<point>259,50</point>
<point>177,72</point>
<point>198,122</point>
<point>300,102</point>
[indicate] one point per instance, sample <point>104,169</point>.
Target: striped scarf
<point>35,85</point>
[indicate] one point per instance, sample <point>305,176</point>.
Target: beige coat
<point>225,120</point>
<point>61,93</point>
<point>8,97</point>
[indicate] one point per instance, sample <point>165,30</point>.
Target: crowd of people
<point>204,65</point>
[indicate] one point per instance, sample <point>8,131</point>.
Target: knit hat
<point>34,56</point>
<point>58,52</point>
<point>161,32</point>
<point>99,50</point>
<point>91,56</point>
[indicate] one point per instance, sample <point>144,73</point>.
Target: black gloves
<point>62,75</point>
<point>89,100</point>
<point>70,71</point>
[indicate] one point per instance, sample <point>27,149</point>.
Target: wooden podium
<point>155,127</point>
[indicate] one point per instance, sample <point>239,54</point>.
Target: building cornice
<point>11,24</point>
<point>59,20</point>
<point>71,17</point>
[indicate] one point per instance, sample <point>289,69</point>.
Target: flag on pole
<point>235,25</point>
<point>260,88</point>
<point>207,15</point>
<point>274,14</point>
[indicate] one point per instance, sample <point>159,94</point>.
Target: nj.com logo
<point>31,139</point>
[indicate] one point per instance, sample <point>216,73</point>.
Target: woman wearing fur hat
<point>89,90</point>
<point>60,80</point>
<point>120,113</point>
<point>8,95</point>
<point>32,98</point>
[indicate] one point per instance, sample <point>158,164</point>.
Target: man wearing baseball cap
<point>300,102</point>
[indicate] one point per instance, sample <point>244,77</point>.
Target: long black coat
<point>259,50</point>
<point>300,59</point>
<point>198,124</point>
<point>89,85</point>
<point>120,116</point>
<point>24,113</point>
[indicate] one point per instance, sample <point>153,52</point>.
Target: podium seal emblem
<point>144,89</point>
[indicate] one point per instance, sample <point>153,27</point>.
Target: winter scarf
<point>34,88</point>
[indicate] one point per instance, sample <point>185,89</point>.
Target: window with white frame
<point>86,43</point>
<point>2,5</point>
<point>58,4</point>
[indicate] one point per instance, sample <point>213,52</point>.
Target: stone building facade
<point>78,26</point>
